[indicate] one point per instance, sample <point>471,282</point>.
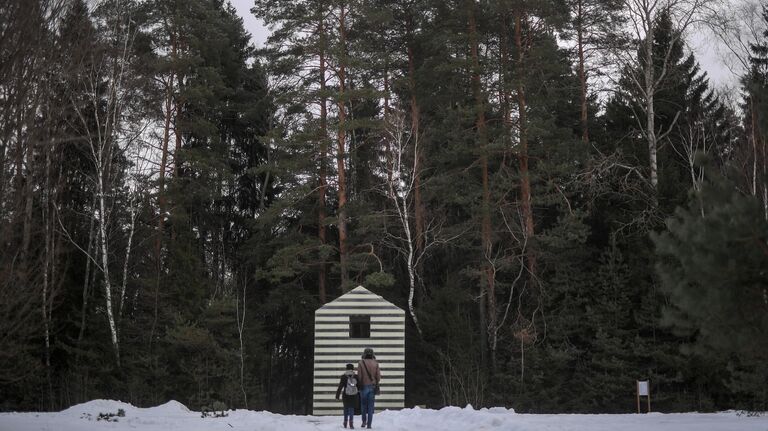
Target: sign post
<point>644,390</point>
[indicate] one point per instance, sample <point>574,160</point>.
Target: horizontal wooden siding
<point>334,349</point>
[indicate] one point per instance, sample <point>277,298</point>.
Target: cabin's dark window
<point>359,326</point>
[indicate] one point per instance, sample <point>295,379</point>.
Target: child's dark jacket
<point>349,400</point>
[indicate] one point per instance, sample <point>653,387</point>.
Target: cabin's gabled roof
<point>359,300</point>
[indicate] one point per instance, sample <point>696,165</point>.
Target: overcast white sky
<point>255,26</point>
<point>704,45</point>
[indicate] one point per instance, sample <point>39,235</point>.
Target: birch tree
<point>400,186</point>
<point>102,118</point>
<point>633,52</point>
<point>400,189</point>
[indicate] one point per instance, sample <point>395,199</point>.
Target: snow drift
<point>174,416</point>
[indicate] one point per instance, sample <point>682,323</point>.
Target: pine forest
<point>554,191</point>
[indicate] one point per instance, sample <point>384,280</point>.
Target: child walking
<point>348,389</point>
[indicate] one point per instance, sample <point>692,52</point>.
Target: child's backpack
<point>351,388</point>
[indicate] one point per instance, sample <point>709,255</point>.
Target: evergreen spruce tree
<point>711,260</point>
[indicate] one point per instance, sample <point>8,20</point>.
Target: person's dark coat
<point>349,400</point>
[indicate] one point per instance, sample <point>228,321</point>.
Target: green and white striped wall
<point>334,349</point>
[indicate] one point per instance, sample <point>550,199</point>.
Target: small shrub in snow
<point>111,417</point>
<point>750,413</point>
<point>216,411</point>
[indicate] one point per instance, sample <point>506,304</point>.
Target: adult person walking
<point>370,375</point>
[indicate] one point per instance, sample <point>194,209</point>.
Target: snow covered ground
<point>173,416</point>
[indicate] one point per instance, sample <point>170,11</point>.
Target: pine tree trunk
<point>505,87</point>
<point>387,144</point>
<point>505,104</point>
<point>485,222</point>
<point>415,123</point>
<point>340,155</point>
<point>322,181</point>
<point>525,178</point>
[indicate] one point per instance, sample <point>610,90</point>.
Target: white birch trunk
<point>399,191</point>
<point>642,15</point>
<point>240,327</point>
<point>105,265</point>
<point>754,152</point>
<point>103,127</point>
<point>47,256</point>
<point>131,230</point>
<point>46,280</point>
<point>649,95</point>
<point>411,266</point>
<point>765,200</point>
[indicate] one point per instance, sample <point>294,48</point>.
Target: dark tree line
<point>557,222</point>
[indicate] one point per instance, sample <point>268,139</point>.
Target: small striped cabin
<point>343,329</point>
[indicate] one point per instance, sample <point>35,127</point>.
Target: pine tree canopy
<point>554,192</point>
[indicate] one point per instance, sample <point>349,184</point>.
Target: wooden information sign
<point>644,390</point>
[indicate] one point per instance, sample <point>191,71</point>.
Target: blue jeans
<point>367,398</point>
<point>349,412</point>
